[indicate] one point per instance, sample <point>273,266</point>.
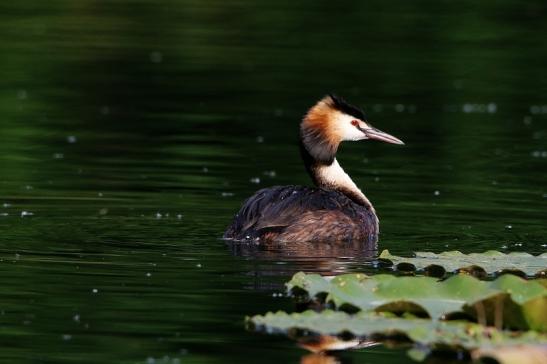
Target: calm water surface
<point>131,131</point>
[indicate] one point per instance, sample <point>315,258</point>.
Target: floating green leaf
<point>490,262</point>
<point>434,334</point>
<point>509,300</point>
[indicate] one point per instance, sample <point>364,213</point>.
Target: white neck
<point>334,177</point>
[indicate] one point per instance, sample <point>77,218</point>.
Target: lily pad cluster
<point>508,301</point>
<point>434,334</point>
<point>479,264</point>
<point>503,320</point>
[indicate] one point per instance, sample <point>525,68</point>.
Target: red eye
<point>354,122</point>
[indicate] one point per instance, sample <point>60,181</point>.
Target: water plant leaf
<point>508,300</point>
<point>434,334</point>
<point>490,262</point>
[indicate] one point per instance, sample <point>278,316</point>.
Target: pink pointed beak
<point>373,133</point>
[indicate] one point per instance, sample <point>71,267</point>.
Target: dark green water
<point>130,132</point>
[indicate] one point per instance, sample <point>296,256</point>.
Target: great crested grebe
<point>335,210</point>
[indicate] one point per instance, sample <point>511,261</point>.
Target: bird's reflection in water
<point>320,359</point>
<point>284,259</point>
<point>325,349</point>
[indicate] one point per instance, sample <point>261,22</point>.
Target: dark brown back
<point>301,213</point>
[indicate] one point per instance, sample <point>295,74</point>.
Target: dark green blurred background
<point>131,131</point>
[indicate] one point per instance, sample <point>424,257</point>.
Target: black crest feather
<point>341,105</point>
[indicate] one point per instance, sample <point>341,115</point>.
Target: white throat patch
<point>334,176</point>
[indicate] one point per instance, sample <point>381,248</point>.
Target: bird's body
<point>336,210</point>
<point>299,213</point>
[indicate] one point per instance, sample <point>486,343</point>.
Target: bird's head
<point>331,121</point>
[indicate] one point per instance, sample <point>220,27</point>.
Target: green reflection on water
<point>130,130</point>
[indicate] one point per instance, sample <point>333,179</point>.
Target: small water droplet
<point>22,94</point>
<point>255,180</point>
<point>437,193</point>
<point>467,108</point>
<point>95,290</point>
<point>26,213</point>
<point>71,139</point>
<point>156,57</point>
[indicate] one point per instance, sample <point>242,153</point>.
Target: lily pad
<point>508,301</point>
<point>433,334</point>
<point>490,262</point>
